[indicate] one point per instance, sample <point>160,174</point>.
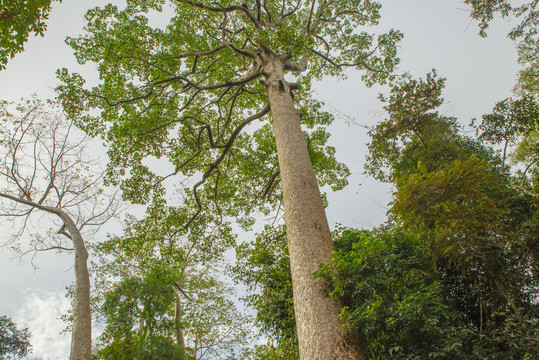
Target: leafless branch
<point>177,286</point>
<point>45,170</point>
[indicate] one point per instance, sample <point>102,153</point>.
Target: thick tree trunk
<point>81,336</point>
<point>319,330</point>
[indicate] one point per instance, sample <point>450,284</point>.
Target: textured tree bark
<point>319,330</point>
<point>81,336</point>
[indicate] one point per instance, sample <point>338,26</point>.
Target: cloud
<point>41,313</point>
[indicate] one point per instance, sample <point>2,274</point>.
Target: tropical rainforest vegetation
<point>452,273</point>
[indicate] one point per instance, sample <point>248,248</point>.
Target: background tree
<point>14,343</point>
<point>264,267</point>
<point>457,193</point>
<point>50,183</point>
<point>188,96</point>
<point>158,294</point>
<point>19,19</point>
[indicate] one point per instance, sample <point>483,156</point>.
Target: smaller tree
<point>264,267</point>
<point>13,342</point>
<point>49,182</point>
<point>157,289</point>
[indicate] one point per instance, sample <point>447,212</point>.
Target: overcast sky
<point>438,34</point>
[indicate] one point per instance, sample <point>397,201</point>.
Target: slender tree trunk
<point>319,330</point>
<point>503,290</point>
<point>180,340</point>
<point>81,336</point>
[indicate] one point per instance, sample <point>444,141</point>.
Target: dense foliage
<point>404,308</point>
<point>19,19</point>
<point>157,291</point>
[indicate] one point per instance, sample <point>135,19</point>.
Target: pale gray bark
<point>45,168</point>
<point>319,330</point>
<point>81,336</point>
<point>180,339</point>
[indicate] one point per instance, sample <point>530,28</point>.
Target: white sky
<point>438,34</point>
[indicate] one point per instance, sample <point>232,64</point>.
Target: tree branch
<point>177,286</point>
<point>339,65</point>
<point>301,67</point>
<point>224,10</point>
<point>214,165</point>
<point>34,204</point>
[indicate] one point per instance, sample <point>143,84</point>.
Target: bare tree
<point>48,181</point>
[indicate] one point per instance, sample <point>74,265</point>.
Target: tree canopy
<point>19,19</point>
<point>188,96</point>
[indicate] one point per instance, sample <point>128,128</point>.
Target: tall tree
<point>188,91</point>
<point>48,180</point>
